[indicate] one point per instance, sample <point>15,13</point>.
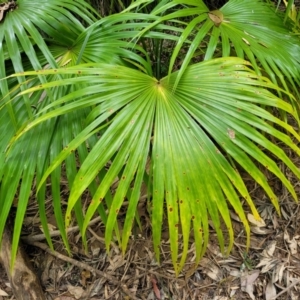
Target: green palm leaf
<point>23,47</point>
<point>24,29</point>
<point>248,29</point>
<point>185,135</point>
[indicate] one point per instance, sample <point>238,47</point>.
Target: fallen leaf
<point>293,246</point>
<point>255,221</point>
<point>278,273</point>
<point>46,264</point>
<point>260,230</point>
<point>8,284</point>
<point>292,242</point>
<point>85,274</point>
<point>247,282</point>
<point>294,296</point>
<point>151,296</point>
<point>269,266</point>
<point>3,293</point>
<point>116,262</point>
<point>233,291</point>
<point>76,291</point>
<point>284,214</point>
<point>269,250</point>
<point>286,236</point>
<point>95,248</point>
<point>211,270</point>
<point>95,287</point>
<point>270,291</point>
<point>234,216</point>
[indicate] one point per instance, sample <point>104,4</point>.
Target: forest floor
<point>269,270</point>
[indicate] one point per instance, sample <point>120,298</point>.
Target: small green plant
<point>89,97</point>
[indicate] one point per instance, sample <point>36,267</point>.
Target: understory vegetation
<point>177,97</point>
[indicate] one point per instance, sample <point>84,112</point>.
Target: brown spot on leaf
<point>216,16</point>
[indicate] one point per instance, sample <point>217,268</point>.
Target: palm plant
<point>94,93</point>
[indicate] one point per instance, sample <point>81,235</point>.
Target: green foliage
<point>166,94</point>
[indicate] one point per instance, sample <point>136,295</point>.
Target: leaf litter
<point>269,270</point>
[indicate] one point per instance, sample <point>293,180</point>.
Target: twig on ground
<point>155,273</point>
<point>286,289</point>
<point>99,238</point>
<point>40,237</point>
<point>84,266</point>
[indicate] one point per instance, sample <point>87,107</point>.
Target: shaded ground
<point>271,268</point>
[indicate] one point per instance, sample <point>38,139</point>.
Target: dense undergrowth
<point>174,96</point>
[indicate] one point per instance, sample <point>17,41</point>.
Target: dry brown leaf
<point>95,287</point>
<point>260,230</point>
<point>270,291</point>
<point>235,273</point>
<point>275,222</point>
<point>8,284</point>
<point>264,261</point>
<point>85,274</point>
<point>269,250</point>
<point>293,246</point>
<point>272,263</point>
<point>292,243</point>
<point>284,214</point>
<point>76,291</point>
<point>268,261</point>
<point>278,273</point>
<point>247,282</point>
<point>294,295</point>
<point>46,264</point>
<point>254,221</point>
<point>3,293</point>
<point>216,16</point>
<point>190,271</point>
<point>211,270</point>
<point>116,262</point>
<point>233,290</point>
<point>286,236</point>
<point>95,248</point>
<point>234,216</point>
<point>151,296</point>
